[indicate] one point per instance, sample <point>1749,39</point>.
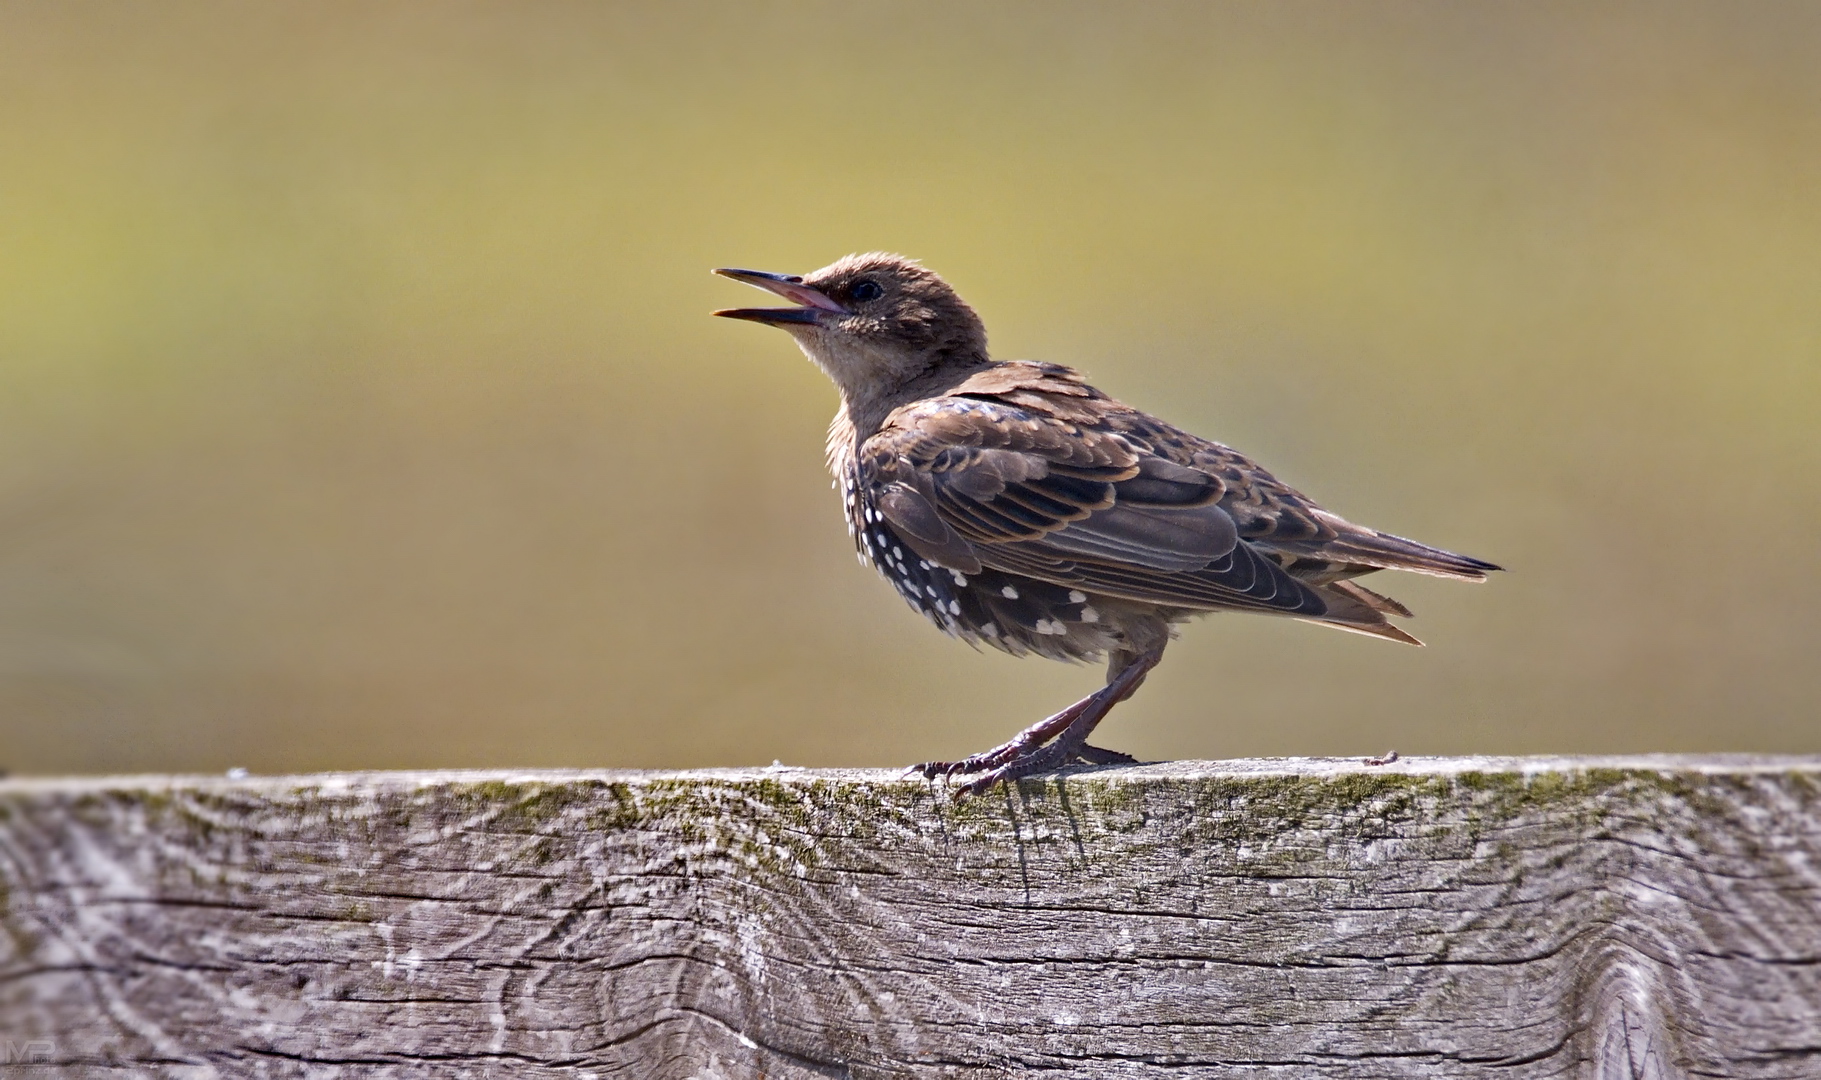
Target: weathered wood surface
<point>1640,917</point>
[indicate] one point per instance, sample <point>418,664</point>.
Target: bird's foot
<point>1052,743</point>
<point>1069,749</point>
<point>1021,745</point>
<point>1388,757</point>
<point>1042,759</point>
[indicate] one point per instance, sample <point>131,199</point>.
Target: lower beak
<point>812,304</point>
<point>773,315</point>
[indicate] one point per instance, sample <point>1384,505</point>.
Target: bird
<point>1016,506</point>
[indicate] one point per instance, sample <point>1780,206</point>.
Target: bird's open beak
<point>812,304</point>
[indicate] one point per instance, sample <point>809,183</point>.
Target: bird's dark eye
<point>866,290</point>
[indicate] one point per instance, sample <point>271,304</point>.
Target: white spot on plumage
<point>954,607</point>
<point>897,553</point>
<point>990,630</point>
<point>960,578</point>
<point>1009,593</point>
<point>1088,614</point>
<point>923,564</point>
<point>1076,596</point>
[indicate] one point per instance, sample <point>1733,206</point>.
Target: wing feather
<point>1029,471</point>
<point>1087,509</point>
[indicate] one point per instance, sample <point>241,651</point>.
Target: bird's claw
<point>978,786</point>
<point>930,770</point>
<point>991,759</point>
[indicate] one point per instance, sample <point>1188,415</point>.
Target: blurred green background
<point>359,406</point>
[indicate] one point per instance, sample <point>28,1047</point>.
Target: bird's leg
<point>1071,743</point>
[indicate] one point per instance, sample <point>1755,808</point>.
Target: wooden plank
<point>1645,917</point>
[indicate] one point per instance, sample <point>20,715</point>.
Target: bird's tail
<point>1365,547</point>
<point>1358,609</point>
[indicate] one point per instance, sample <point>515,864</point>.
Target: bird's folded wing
<point>1279,520</point>
<point>981,484</point>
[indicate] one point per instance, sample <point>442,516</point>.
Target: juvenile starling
<point>1014,505</point>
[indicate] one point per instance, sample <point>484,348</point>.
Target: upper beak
<point>812,303</point>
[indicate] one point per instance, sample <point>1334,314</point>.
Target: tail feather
<point>1378,602</point>
<point>1379,630</point>
<point>1327,567</point>
<point>1362,611</point>
<point>1369,547</point>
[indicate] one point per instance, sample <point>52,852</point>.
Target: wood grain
<point>1646,917</point>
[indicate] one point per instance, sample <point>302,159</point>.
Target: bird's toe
<point>1100,755</point>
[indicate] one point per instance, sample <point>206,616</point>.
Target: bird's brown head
<point>875,323</point>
